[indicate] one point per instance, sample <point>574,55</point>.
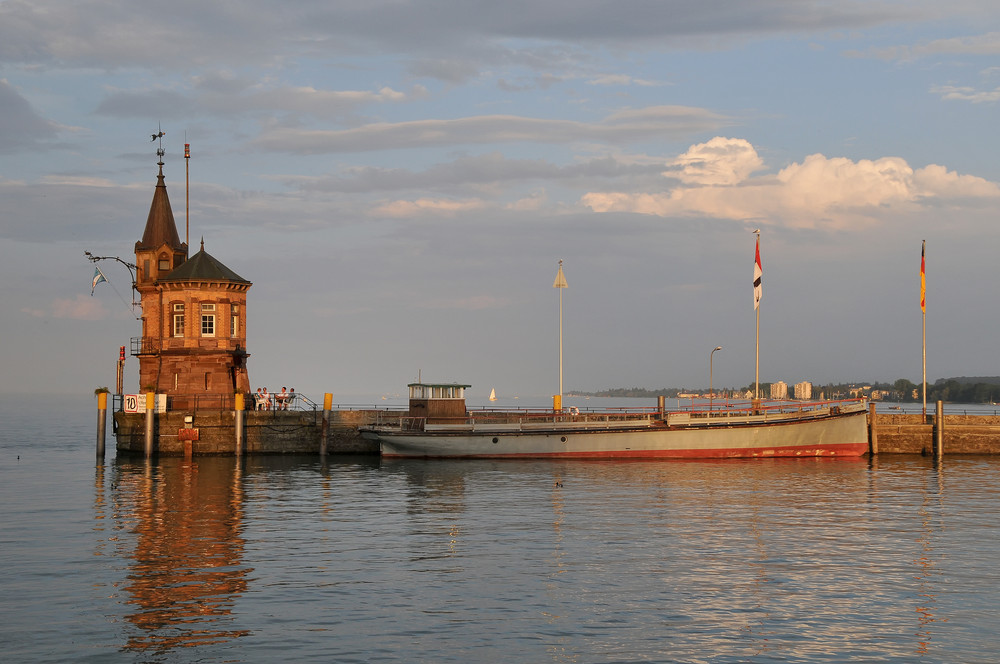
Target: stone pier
<point>265,432</point>
<point>899,433</point>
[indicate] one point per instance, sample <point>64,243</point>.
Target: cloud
<point>623,80</point>
<point>108,33</point>
<point>951,92</point>
<point>476,172</point>
<point>426,207</point>
<point>984,44</point>
<point>818,192</point>
<point>229,96</point>
<point>82,307</point>
<point>621,127</point>
<point>722,161</point>
<point>21,127</point>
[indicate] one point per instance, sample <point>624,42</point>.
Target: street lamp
<point>711,393</point>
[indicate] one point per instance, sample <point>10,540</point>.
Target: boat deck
<point>728,415</point>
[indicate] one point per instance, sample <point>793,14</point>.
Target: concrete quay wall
<point>265,432</point>
<point>897,433</point>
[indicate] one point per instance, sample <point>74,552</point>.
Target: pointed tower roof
<point>203,267</point>
<point>160,227</point>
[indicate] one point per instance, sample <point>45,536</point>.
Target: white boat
<point>438,425</point>
<point>493,395</point>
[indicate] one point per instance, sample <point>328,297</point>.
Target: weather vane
<point>159,136</point>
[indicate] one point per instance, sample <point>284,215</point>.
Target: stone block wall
<point>265,432</point>
<point>914,434</point>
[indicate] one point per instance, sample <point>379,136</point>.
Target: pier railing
<point>196,402</point>
<point>720,414</point>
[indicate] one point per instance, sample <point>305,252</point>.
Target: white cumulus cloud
<point>721,161</point>
<point>717,181</point>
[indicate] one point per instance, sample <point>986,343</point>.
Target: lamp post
<point>711,392</point>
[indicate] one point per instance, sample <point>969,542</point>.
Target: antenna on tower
<point>187,195</point>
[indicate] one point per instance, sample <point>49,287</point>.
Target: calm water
<point>356,560</point>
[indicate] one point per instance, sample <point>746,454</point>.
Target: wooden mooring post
<point>939,430</point>
<point>239,415</point>
<point>102,422</point>
<point>150,404</point>
<point>324,436</point>
<point>872,430</point>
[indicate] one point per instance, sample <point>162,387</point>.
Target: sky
<point>400,180</point>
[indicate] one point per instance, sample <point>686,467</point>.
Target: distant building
<point>779,390</point>
<point>803,390</point>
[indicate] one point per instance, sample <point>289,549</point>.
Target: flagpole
<point>757,292</point>
<point>923,315</point>
<point>560,283</point>
<point>756,368</point>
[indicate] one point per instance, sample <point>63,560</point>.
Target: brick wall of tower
<point>189,360</point>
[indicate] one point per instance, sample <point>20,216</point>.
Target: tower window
<point>164,264</point>
<point>208,325</point>
<point>178,320</point>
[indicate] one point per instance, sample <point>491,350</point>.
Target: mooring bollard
<point>150,402</point>
<point>102,419</point>
<point>939,430</point>
<point>239,423</point>
<point>324,434</point>
<point>872,431</point>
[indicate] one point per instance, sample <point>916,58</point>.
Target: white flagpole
<point>560,283</point>
<point>758,290</point>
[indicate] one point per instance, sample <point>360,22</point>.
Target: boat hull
<point>831,436</point>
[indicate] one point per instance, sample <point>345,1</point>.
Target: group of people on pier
<point>264,400</point>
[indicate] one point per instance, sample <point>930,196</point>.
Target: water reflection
<point>183,519</point>
<point>927,598</point>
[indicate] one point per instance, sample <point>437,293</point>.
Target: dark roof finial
<point>203,243</point>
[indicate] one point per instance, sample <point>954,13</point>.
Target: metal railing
<point>144,345</point>
<point>196,402</point>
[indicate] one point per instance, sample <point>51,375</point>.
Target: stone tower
<point>193,341</point>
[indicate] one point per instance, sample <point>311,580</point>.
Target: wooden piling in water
<point>872,431</point>
<point>324,436</point>
<point>939,430</point>
<point>150,403</point>
<point>240,414</point>
<point>102,422</point>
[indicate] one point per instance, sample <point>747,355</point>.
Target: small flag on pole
<point>757,274</point>
<point>923,279</point>
<point>98,278</point>
<point>560,281</point>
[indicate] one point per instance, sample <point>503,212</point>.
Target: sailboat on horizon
<point>493,394</point>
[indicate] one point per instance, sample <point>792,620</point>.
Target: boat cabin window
<point>420,391</point>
